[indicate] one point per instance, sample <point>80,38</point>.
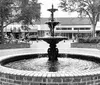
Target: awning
<point>14,28</point>
<point>33,30</point>
<point>17,28</point>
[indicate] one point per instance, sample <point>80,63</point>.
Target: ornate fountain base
<point>53,53</point>
<point>53,50</point>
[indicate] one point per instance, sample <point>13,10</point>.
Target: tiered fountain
<point>52,40</point>
<point>74,66</point>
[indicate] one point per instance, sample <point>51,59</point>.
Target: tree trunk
<point>2,34</point>
<point>93,30</point>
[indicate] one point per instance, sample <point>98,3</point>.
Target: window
<point>76,28</point>
<point>87,28</point>
<point>66,28</point>
<point>81,28</point>
<point>58,28</point>
<point>63,28</point>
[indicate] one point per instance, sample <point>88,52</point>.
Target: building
<point>68,27</point>
<point>17,30</point>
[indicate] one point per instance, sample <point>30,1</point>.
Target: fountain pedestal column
<point>53,52</point>
<point>52,40</point>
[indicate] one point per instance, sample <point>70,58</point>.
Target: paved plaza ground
<point>39,46</point>
<point>43,45</point>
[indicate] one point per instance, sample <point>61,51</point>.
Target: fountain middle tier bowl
<point>52,24</point>
<point>31,66</point>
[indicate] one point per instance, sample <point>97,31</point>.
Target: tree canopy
<point>23,11</point>
<point>5,11</point>
<point>90,8</point>
<point>29,11</point>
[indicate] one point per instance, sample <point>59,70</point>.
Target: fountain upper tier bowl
<point>52,24</point>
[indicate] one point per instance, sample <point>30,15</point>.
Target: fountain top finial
<point>52,23</point>
<point>52,10</point>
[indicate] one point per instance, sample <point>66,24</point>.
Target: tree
<point>18,11</point>
<point>5,15</point>
<point>30,12</point>
<point>90,8</point>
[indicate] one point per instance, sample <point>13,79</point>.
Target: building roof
<point>67,21</point>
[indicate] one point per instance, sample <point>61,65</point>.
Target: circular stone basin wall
<point>9,76</point>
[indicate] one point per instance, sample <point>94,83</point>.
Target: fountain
<point>73,66</point>
<point>52,40</point>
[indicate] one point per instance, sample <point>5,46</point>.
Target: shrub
<point>89,40</point>
<point>80,40</point>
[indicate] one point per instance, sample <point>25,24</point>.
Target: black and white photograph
<point>49,42</point>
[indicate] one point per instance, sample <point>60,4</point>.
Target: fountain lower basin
<point>67,63</point>
<point>24,77</point>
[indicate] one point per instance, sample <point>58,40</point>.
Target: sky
<point>46,4</point>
